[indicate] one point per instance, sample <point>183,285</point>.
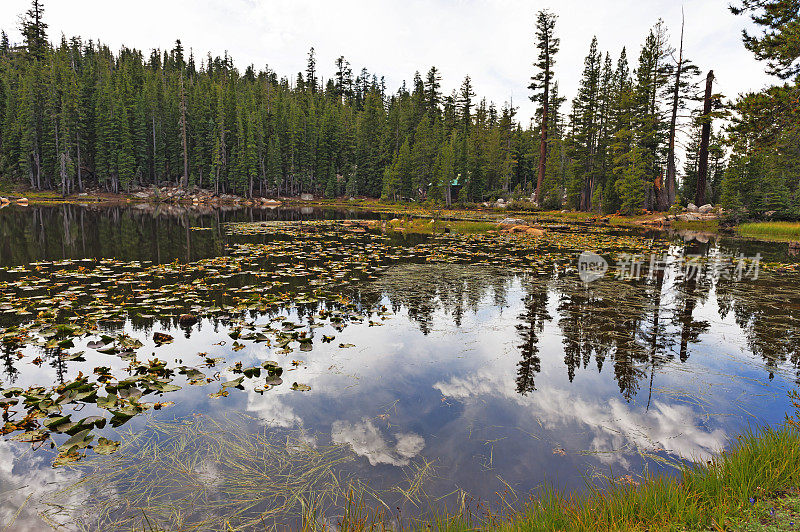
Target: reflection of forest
<point>157,232</point>
<point>770,314</point>
<point>140,326</point>
<point>456,289</point>
<point>637,327</point>
<point>634,326</point>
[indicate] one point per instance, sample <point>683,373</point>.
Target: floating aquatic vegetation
<point>311,267</point>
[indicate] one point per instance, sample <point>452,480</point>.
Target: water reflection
<point>637,327</point>
<point>500,378</point>
<point>25,478</point>
<point>531,326</point>
<point>155,232</point>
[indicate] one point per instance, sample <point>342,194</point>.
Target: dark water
<point>499,379</point>
<point>158,233</point>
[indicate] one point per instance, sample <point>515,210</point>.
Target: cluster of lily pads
<point>36,414</point>
<point>307,267</point>
<point>51,306</point>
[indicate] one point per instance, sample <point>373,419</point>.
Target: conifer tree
<point>548,45</point>
<point>652,74</point>
<point>311,71</point>
<point>445,170</point>
<point>622,113</point>
<point>433,96</point>
<point>586,111</point>
<point>630,185</point>
<point>34,31</point>
<point>778,43</point>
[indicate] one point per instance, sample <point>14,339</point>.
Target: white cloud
<point>367,440</point>
<point>409,445</point>
<point>613,425</point>
<point>269,408</point>
<point>25,479</point>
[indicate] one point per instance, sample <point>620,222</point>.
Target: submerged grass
<point>207,474</point>
<point>771,230</point>
<point>202,475</point>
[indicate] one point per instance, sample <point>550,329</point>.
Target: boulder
<point>4,201</point>
<point>533,231</point>
<point>692,208</point>
<point>512,221</point>
<point>705,209</point>
<point>307,197</point>
<point>22,201</point>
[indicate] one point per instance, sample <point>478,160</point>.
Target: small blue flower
<point>772,512</point>
<point>752,500</point>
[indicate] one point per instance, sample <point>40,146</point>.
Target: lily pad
<point>105,446</point>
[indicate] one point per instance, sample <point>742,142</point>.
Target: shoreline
<point>760,230</point>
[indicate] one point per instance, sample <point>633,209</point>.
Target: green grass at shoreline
<point>771,230</point>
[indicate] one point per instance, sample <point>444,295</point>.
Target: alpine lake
<point>169,368</point>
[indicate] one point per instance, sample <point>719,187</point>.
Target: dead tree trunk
<point>705,137</point>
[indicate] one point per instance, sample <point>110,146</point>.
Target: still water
<point>469,377</point>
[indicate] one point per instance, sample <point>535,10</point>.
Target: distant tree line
<point>76,115</point>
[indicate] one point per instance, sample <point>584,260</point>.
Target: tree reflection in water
<point>638,326</point>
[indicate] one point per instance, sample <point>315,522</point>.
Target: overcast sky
<point>491,40</point>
